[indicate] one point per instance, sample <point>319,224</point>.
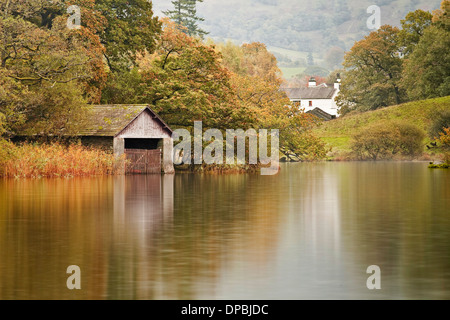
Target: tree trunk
<point>397,95</point>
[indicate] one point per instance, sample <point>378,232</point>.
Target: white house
<point>316,99</point>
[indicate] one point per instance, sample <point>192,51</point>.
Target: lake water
<point>310,232</point>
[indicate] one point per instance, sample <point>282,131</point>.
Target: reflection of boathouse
<point>136,131</point>
<point>143,203</point>
<point>143,212</point>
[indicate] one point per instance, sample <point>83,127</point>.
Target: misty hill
<point>294,28</point>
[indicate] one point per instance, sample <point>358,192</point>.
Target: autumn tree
<point>251,59</point>
<point>48,71</point>
<point>185,81</point>
<point>373,72</point>
<point>256,81</point>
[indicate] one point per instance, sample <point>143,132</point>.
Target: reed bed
<point>31,160</point>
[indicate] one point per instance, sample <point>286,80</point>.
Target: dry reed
<point>53,160</point>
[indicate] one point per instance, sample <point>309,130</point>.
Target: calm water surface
<point>308,233</point>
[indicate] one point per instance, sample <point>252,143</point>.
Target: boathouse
<point>133,132</point>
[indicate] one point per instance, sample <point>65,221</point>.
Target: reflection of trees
<point>137,237</point>
<point>214,218</point>
<point>47,225</point>
<point>397,216</point>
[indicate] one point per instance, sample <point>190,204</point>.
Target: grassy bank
<point>55,160</point>
<point>338,133</point>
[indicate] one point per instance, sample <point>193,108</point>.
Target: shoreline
<point>230,171</point>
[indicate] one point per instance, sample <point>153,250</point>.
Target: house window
<point>310,103</point>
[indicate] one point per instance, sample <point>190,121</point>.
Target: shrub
<point>376,142</point>
<point>384,140</point>
<point>440,121</point>
<point>411,138</point>
<point>445,138</point>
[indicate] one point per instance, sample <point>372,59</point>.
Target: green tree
<point>131,29</point>
<point>124,88</point>
<point>184,14</point>
<point>413,28</point>
<point>427,69</point>
<point>373,72</point>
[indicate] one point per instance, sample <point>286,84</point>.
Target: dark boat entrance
<point>143,156</point>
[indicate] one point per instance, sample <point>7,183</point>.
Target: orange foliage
<point>445,137</point>
<point>55,160</point>
<point>93,24</point>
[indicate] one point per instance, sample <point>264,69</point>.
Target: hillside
<point>337,133</point>
<point>294,28</point>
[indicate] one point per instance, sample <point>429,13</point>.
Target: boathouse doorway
<point>143,156</point>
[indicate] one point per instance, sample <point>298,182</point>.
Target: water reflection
<point>309,232</point>
<point>143,210</point>
<point>108,227</point>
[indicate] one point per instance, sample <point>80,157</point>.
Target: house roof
<point>310,93</point>
<point>321,114</point>
<point>110,120</point>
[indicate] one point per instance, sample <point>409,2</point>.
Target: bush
<point>411,138</point>
<point>386,139</point>
<point>445,138</point>
<point>441,120</point>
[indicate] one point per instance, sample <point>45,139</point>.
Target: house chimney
<point>337,83</point>
<point>312,82</point>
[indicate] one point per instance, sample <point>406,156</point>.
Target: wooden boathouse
<point>135,131</point>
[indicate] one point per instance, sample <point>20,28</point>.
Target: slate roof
<point>310,93</point>
<point>110,120</point>
<point>321,114</point>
